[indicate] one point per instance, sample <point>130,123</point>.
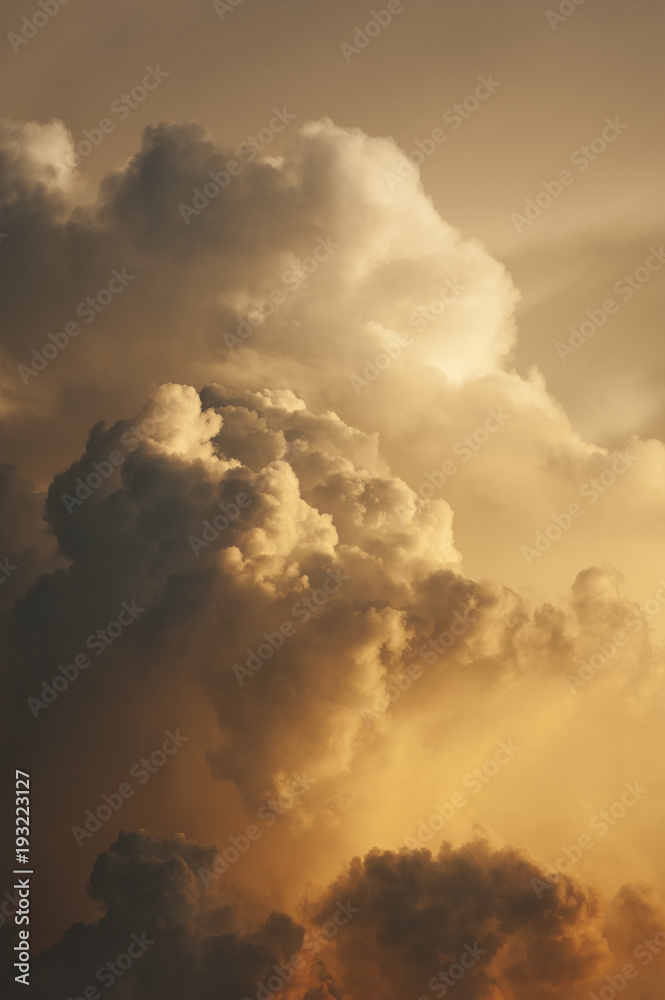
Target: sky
<point>333,597</point>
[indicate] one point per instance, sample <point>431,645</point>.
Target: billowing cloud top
<point>322,525</point>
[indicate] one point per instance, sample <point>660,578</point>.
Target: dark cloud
<point>179,941</point>
<point>26,550</point>
<point>470,918</point>
<point>487,923</point>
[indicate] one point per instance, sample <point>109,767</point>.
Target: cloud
<point>468,920</point>
<point>34,161</point>
<point>25,546</point>
<point>160,935</point>
<point>393,253</point>
<point>260,538</point>
<point>324,540</point>
<point>260,310</point>
<point>312,595</point>
<point>486,922</point>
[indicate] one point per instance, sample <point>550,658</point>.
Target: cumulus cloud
<point>265,510</point>
<point>488,923</point>
<point>159,936</point>
<point>313,600</point>
<point>468,920</point>
<point>34,160</point>
<point>387,256</point>
<point>320,512</point>
<point>402,326</point>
